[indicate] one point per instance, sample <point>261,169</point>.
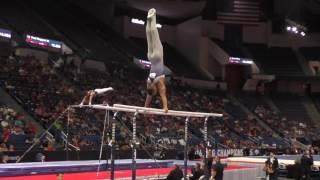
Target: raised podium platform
<point>33,168</point>
<point>87,170</point>
<point>284,161</point>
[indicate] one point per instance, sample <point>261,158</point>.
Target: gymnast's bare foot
<point>151,13</point>
<point>165,109</point>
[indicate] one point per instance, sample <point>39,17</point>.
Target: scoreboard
<point>236,60</point>
<point>5,45</point>
<point>5,33</point>
<point>43,42</point>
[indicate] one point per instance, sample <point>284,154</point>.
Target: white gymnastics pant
<point>103,90</point>
<point>155,49</point>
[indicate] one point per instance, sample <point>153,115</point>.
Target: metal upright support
<point>186,149</point>
<point>134,143</point>
<point>106,116</point>
<point>113,140</point>
<point>215,147</point>
<point>205,138</point>
<point>67,138</point>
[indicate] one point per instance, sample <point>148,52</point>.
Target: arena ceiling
<point>170,9</point>
<point>305,12</point>
<point>173,12</point>
<point>184,8</point>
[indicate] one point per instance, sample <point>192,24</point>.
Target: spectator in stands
<point>272,167</point>
<point>297,170</point>
<point>175,174</point>
<point>314,150</point>
<point>217,170</point>
<point>3,158</point>
<point>40,157</point>
<point>196,172</point>
<point>31,129</point>
<point>306,164</point>
<point>48,146</point>
<point>3,147</point>
<point>11,148</point>
<point>260,88</point>
<point>191,153</point>
<point>60,176</point>
<point>208,164</point>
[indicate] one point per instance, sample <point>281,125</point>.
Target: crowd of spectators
<point>46,90</point>
<point>15,133</point>
<point>288,128</point>
<point>130,87</point>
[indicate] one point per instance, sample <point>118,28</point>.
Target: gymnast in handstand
<point>156,79</point>
<point>92,93</point>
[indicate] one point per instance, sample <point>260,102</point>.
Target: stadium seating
<point>296,115</point>
<point>88,43</point>
<point>235,130</point>
<point>15,133</point>
<point>231,50</point>
<point>53,99</point>
<point>23,21</point>
<point>286,124</point>
<point>268,59</point>
<point>311,53</point>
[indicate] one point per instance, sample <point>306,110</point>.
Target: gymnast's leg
<point>85,98</point>
<point>161,86</point>
<point>103,90</point>
<point>153,38</point>
<point>148,34</point>
<point>92,94</point>
<point>151,91</point>
<point>148,101</point>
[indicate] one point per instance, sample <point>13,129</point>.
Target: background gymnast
<point>156,79</point>
<point>92,93</point>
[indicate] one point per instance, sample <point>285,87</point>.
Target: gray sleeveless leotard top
<point>157,65</point>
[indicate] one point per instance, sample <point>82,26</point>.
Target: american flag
<point>245,12</point>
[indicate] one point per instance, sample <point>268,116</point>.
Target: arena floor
<point>87,170</point>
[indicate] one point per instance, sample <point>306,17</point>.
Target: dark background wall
<point>104,10</point>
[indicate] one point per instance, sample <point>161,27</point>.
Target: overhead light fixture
<point>296,28</point>
<point>141,22</point>
<point>288,28</point>
<point>137,21</point>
